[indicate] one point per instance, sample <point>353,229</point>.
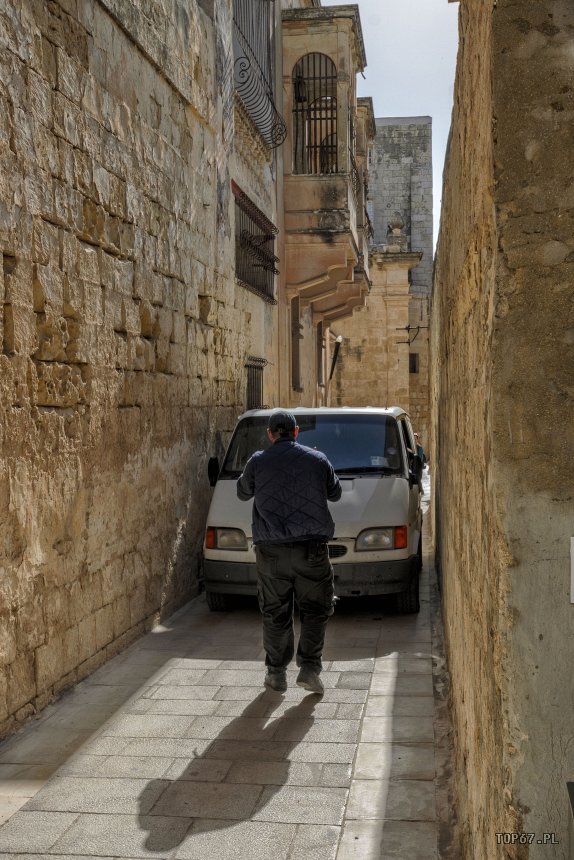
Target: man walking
<point>291,526</point>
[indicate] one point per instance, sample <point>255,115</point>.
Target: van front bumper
<point>351,580</point>
<point>228,577</point>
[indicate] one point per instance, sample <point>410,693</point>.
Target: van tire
<point>408,601</point>
<point>217,602</point>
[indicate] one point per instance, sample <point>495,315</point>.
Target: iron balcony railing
<point>355,178</point>
<point>254,53</point>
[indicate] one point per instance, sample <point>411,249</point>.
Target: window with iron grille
<point>413,362</point>
<point>254,60</point>
<point>315,115</point>
<point>255,260</point>
<point>254,367</point>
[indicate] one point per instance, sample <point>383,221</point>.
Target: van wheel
<point>217,602</point>
<point>408,601</point>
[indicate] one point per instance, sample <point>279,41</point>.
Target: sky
<point>411,55</point>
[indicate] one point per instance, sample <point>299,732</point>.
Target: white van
<point>377,546</point>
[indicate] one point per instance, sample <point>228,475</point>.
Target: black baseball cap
<point>281,422</point>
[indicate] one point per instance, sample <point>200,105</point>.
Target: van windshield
<point>355,444</point>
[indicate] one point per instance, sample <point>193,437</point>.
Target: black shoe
<point>310,680</point>
<point>276,680</point>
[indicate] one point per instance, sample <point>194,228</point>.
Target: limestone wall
<point>123,334</point>
<point>502,318</point>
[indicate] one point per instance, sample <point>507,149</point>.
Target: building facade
<point>384,356</point>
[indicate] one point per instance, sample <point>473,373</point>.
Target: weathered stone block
<point>176,362</point>
<point>130,316</point>
<point>144,355</point>
<point>82,344</point>
<point>70,649</point>
<point>94,299</point>
<point>6,716</point>
<point>161,355</point>
<point>121,609</point>
<point>29,626</point>
<point>59,385</point>
<point>113,310</point>
<point>86,638</point>
<point>17,280</point>
<point>137,602</point>
<point>8,642</point>
<point>68,120</point>
<point>82,171</point>
<point>40,97</point>
<point>93,221</point>
<point>20,336</point>
<point>45,243</point>
<point>70,76</point>
<point>104,622</point>
<point>49,659</point>
<point>147,319</point>
<point>52,337</point>
<point>179,332</point>
<point>48,289</point>
<point>88,267</point>
<point>163,323</point>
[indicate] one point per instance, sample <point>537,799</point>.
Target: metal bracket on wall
<point>409,329</point>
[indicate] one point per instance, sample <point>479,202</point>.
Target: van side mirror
<point>213,470</point>
<point>416,471</point>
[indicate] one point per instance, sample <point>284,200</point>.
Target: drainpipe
<point>338,342</point>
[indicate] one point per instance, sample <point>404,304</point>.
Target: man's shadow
<point>225,803</point>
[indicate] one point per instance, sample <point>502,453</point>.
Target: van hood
<point>366,502</point>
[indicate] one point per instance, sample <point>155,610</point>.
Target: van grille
<point>336,550</point>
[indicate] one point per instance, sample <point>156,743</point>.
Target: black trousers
<point>288,572</point>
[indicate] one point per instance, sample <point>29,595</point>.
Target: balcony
<point>325,248</point>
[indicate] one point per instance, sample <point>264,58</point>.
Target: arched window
<point>315,115</point>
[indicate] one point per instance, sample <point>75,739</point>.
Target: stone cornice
<point>404,259</point>
<point>327,13</point>
<point>247,138</point>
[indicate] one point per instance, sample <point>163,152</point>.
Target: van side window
<point>409,443</point>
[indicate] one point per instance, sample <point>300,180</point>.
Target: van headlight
<point>221,538</point>
<point>378,539</point>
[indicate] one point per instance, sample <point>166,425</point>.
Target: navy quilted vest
<point>291,485</point>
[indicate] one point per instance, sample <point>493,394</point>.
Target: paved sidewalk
<point>175,750</point>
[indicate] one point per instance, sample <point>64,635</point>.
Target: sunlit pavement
<point>175,750</point>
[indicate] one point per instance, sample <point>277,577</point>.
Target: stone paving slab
<point>175,750</point>
<point>400,706</point>
<point>388,840</point>
<point>34,831</point>
<point>382,761</point>
<point>128,835</point>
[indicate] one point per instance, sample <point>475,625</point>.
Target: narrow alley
<point>174,750</point>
